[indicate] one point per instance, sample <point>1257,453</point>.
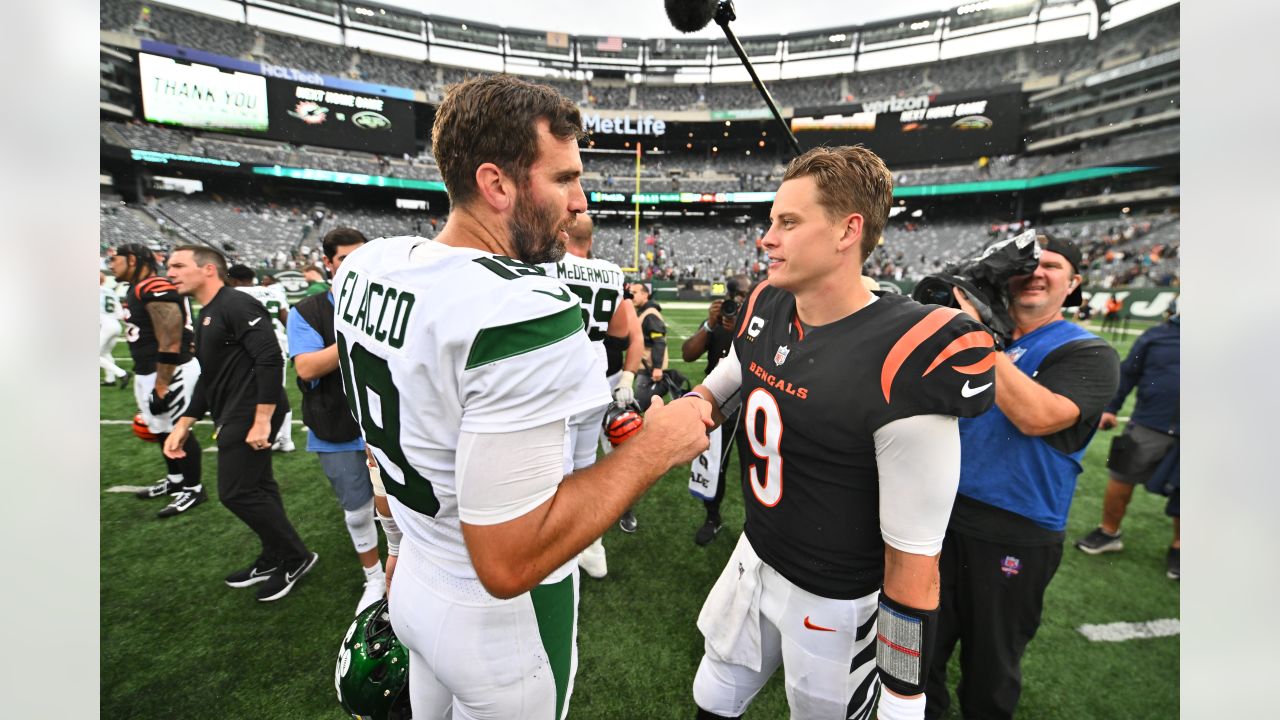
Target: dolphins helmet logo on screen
<point>309,112</point>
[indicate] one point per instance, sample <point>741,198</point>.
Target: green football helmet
<point>372,672</point>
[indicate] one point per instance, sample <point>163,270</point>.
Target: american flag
<point>609,44</point>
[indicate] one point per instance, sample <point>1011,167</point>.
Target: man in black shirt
<point>1018,472</point>
<point>242,387</point>
<point>714,338</point>
<point>158,328</point>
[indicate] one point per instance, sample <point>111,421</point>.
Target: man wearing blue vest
<point>1018,469</point>
<point>332,433</point>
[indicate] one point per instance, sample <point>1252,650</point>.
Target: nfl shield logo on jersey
<point>1015,353</point>
<point>781,356</point>
<point>1010,566</point>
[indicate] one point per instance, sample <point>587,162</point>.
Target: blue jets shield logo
<point>781,356</point>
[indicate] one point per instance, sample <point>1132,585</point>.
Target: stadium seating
<point>120,224</point>
<point>1065,60</point>
<point>308,55</point>
<point>612,172</point>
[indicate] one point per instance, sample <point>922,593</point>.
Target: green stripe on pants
<point>556,609</point>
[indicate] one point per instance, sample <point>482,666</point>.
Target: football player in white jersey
<point>109,333</point>
<point>463,363</point>
<point>599,286</point>
<point>273,298</point>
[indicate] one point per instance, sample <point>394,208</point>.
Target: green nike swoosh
<point>563,295</point>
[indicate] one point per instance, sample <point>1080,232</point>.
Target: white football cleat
<point>374,588</point>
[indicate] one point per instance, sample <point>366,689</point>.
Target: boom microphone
<point>690,16</point>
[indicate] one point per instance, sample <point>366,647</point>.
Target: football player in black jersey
<point>161,340</point>
<point>850,458</point>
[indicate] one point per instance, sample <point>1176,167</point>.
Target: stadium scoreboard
<point>920,128</point>
<point>206,97</point>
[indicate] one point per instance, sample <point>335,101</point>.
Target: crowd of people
<point>478,365</point>
<point>670,172</point>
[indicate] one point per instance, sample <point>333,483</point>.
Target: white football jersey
<point>273,298</point>
<point>598,285</point>
<point>434,341</point>
<point>108,306</point>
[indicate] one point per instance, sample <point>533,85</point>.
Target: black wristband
<point>904,644</point>
<point>169,358</point>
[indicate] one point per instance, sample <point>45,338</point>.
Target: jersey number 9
<point>764,446</point>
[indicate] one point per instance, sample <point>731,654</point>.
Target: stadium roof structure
<point>564,37</point>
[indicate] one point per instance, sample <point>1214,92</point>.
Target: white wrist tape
<point>392,531</point>
<point>892,707</point>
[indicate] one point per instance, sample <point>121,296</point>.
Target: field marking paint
<point>1121,631</point>
<point>127,488</point>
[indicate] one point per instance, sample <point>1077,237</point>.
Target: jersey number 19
<point>368,372</point>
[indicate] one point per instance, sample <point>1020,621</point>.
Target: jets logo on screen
<point>370,120</point>
<point>309,112</point>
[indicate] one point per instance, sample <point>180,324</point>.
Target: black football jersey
<point>812,402</point>
<point>139,330</point>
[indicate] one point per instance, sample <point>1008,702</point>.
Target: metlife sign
<point>624,125</point>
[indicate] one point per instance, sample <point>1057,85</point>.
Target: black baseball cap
<point>1071,252</point>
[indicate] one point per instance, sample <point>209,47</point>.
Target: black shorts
<point>1136,452</point>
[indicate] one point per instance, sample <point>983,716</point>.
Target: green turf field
<point>177,643</point>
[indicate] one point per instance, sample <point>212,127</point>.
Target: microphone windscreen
<point>689,16</point>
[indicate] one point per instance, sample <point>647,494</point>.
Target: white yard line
<point>1121,631</point>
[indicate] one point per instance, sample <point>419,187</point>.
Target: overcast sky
<point>648,18</point>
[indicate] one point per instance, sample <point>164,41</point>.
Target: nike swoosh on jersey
<point>563,295</point>
<point>811,626</point>
<point>968,392</point>
<point>166,292</point>
<point>254,321</point>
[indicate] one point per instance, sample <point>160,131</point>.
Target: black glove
<point>158,405</point>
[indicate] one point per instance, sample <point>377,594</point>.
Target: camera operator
<point>1019,465</point>
<point>714,338</point>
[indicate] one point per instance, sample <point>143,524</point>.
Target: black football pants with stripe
<point>247,487</point>
<point>992,597</point>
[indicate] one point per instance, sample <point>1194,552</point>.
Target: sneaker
<point>1172,562</point>
<point>258,572</point>
<point>593,561</point>
<point>374,589</point>
<point>1099,541</point>
<point>183,501</point>
<point>628,521</point>
<point>281,582</point>
<point>707,532</point>
<point>160,489</point>
<point>284,444</point>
